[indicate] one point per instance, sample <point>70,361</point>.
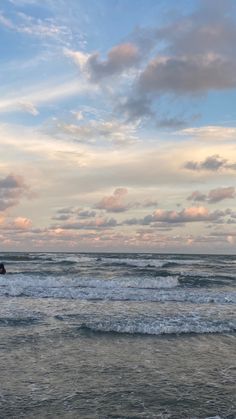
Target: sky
<point>118,126</point>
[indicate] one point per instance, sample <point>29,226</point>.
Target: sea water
<point>117,336</point>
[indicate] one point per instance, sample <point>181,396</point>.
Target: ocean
<point>110,335</point>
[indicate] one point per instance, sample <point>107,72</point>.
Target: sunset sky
<point>118,125</point>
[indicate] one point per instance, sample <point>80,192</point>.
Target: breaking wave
<point>161,327</point>
<point>158,289</point>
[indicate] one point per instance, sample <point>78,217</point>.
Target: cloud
<point>198,54</point>
<point>145,204</point>
<point>186,215</point>
<point>190,56</point>
<point>21,223</point>
<point>65,214</point>
<point>134,108</point>
<point>211,132</point>
<point>43,94</point>
<point>92,131</point>
<point>171,123</point>
<point>214,196</point>
<point>28,107</point>
<point>211,163</point>
<point>12,188</point>
<point>86,214</point>
<point>23,2</point>
<point>4,21</point>
<point>219,194</point>
<point>231,239</point>
<point>98,223</point>
<point>61,217</point>
<point>197,196</point>
<point>36,27</point>
<point>120,58</point>
<point>80,58</point>
<point>193,214</point>
<point>184,75</point>
<point>115,202</point>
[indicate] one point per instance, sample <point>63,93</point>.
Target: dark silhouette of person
<point>2,269</point>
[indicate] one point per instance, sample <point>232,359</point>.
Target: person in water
<point>2,269</point>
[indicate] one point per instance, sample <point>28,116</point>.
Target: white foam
<point>161,326</point>
<point>159,289</point>
<point>21,280</point>
<point>139,263</point>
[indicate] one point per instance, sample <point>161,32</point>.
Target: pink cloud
<point>192,214</point>
<point>22,223</point>
<point>115,202</point>
<point>188,214</point>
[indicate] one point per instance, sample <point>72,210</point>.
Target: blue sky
<point>117,125</point>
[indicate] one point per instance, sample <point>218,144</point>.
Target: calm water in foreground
<point>117,336</point>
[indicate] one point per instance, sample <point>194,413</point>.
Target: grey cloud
<point>198,56</point>
<point>210,28</point>
<point>213,196</point>
<point>144,204</point>
<point>192,55</point>
<point>212,163</point>
<point>231,221</point>
<point>131,221</point>
<point>135,107</point>
<point>62,217</point>
<point>12,182</point>
<point>231,166</point>
<point>232,213</point>
<point>87,214</point>
<point>148,221</point>
<point>65,214</point>
<point>187,215</point>
<point>66,210</point>
<point>150,204</point>
<point>191,165</point>
<point>183,75</point>
<point>197,196</point>
<point>219,194</point>
<point>90,225</point>
<point>12,188</point>
<point>171,123</point>
<point>120,58</point>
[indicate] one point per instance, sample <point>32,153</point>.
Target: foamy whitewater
<point>117,336</point>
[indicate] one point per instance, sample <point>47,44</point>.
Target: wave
<point>114,291</point>
<point>21,280</point>
<point>148,262</point>
<point>14,259</point>
<point>133,262</point>
<point>161,327</point>
<point>19,321</point>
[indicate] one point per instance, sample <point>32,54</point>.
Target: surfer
<point>2,269</point>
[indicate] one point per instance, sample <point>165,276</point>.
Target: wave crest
<point>161,327</point>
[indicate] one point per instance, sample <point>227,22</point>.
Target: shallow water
<point>117,336</point>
